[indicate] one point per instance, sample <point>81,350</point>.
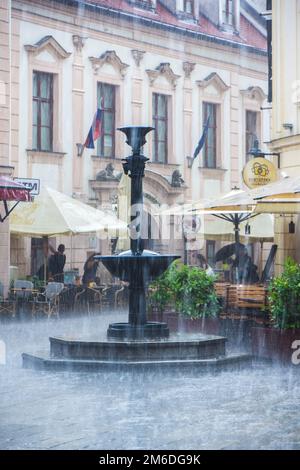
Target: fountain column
<point>137,266</point>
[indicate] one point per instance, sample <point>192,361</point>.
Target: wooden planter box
<point>167,316</point>
<point>273,343</point>
<point>210,326</point>
<point>177,322</point>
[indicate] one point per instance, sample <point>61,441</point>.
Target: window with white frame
<point>228,12</point>
<point>251,131</point>
<point>209,114</point>
<point>107,103</point>
<point>160,123</point>
<point>188,7</point>
<point>42,111</point>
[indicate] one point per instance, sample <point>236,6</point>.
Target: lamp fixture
<point>255,151</point>
<point>288,125</point>
<point>292,227</point>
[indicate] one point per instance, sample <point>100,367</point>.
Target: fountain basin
<point>138,270</point>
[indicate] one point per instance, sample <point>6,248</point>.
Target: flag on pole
<point>200,143</point>
<point>94,132</point>
<point>202,139</point>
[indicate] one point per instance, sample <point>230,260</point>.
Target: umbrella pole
<point>45,249</point>
<point>71,252</point>
<point>261,256</point>
<point>237,242</point>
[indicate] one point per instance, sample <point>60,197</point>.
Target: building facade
<point>166,63</point>
<point>285,129</point>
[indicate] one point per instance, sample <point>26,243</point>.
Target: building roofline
<point>164,26</point>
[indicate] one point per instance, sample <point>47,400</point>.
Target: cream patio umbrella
<point>236,207</point>
<point>255,229</point>
<point>281,197</point>
<point>55,213</point>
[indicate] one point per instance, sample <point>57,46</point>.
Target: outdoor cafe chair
<point>7,306</point>
<point>47,303</point>
<point>22,289</point>
<point>22,292</point>
<point>89,298</point>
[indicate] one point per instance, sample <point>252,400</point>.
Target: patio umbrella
<point>10,190</point>
<point>55,213</point>
<point>235,207</point>
<point>280,197</point>
<point>256,229</point>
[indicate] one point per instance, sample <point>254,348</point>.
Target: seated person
<point>90,270</point>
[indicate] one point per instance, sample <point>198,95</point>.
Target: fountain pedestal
<point>137,266</point>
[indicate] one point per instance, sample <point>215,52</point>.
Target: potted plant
<point>276,342</point>
<point>191,291</point>
<point>161,300</point>
<point>195,298</point>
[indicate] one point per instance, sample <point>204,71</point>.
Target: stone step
<point>43,361</point>
<point>172,348</point>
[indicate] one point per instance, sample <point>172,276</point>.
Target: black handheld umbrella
<point>229,250</point>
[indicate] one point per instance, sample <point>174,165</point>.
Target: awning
<point>10,190</point>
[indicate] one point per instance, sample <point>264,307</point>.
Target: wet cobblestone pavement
<point>251,409</point>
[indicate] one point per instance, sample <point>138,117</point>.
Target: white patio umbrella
<point>281,197</point>
<point>55,213</point>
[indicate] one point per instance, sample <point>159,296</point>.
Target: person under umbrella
<point>57,263</point>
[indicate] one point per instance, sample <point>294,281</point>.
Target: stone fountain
<point>136,344</point>
<point>137,266</point>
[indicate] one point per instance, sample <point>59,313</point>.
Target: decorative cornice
<point>213,79</point>
<point>47,42</point>
<point>109,57</point>
<point>78,42</point>
<point>165,70</point>
<point>188,67</point>
<point>137,56</point>
<point>254,93</point>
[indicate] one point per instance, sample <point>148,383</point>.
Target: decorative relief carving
<point>165,70</point>
<point>213,79</point>
<point>47,42</point>
<point>188,67</point>
<point>78,42</point>
<point>109,57</point>
<point>137,56</point>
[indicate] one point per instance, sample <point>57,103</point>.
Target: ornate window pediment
<point>164,70</point>
<point>254,93</point>
<point>47,45</point>
<point>213,81</point>
<point>109,57</point>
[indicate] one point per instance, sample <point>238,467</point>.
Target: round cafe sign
<point>258,172</point>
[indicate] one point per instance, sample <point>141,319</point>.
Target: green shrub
<point>284,296</point>
<point>189,289</point>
